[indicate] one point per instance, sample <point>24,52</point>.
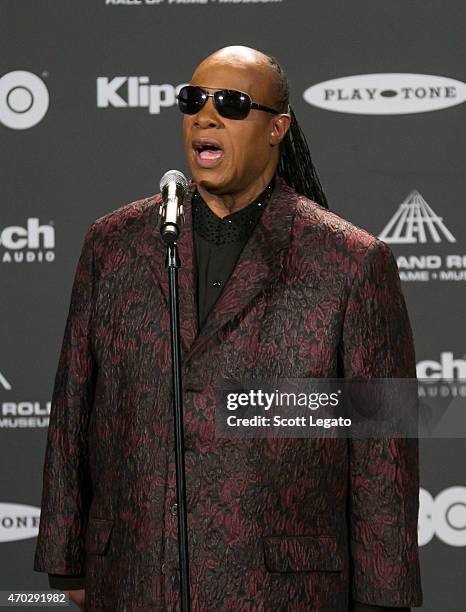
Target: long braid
<point>295,164</point>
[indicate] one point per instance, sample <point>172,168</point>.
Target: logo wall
<point>157,3</point>
<point>386,93</point>
<point>442,379</point>
<point>24,100</point>
<point>135,92</point>
<point>32,243</point>
<point>24,414</point>
<point>443,516</point>
<point>4,383</point>
<point>416,223</point>
<point>447,368</point>
<point>18,522</point>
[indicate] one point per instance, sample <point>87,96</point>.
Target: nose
<point>207,116</point>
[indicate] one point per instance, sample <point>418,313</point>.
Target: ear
<point>279,126</point>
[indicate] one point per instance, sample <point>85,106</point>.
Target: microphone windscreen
<point>173,176</point>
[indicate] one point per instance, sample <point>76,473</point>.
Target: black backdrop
<point>75,146</point>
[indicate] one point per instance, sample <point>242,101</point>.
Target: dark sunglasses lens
<point>191,100</point>
<point>232,104</point>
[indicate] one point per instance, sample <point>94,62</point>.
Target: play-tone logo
<point>18,522</point>
<point>415,221</point>
<point>34,243</point>
<point>24,100</point>
<point>386,93</point>
<point>135,92</point>
<point>443,516</point>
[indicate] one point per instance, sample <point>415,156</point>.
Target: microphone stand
<point>172,263</point>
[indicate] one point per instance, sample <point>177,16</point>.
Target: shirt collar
<point>236,227</point>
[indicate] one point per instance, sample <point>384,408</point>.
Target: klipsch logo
<point>18,522</point>
<point>442,378</point>
<point>447,367</point>
<point>135,92</point>
<point>386,94</point>
<point>416,223</point>
<point>32,243</point>
<point>24,99</point>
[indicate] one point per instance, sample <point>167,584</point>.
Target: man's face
<point>246,149</point>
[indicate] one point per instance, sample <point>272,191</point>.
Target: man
<point>272,283</point>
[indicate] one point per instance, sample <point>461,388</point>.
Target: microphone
<point>173,185</point>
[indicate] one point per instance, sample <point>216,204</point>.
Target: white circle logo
<point>24,99</point>
<point>444,516</point>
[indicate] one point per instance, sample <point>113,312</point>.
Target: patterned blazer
<point>274,524</point>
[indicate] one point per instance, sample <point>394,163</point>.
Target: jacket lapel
<point>155,252</point>
<point>259,263</point>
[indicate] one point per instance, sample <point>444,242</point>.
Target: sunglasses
<point>229,103</point>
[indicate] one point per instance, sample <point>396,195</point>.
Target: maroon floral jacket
<point>274,524</point>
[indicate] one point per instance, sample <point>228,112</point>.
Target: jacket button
<point>174,509</point>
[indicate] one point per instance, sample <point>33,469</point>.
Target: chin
<point>210,185</point>
<point>210,182</point>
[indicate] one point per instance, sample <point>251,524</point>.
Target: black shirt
<point>218,244</point>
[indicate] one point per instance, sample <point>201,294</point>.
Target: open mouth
<point>207,153</point>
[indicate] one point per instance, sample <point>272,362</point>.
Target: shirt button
<point>174,509</point>
<point>216,283</point>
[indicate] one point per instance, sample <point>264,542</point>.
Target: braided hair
<point>295,163</point>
